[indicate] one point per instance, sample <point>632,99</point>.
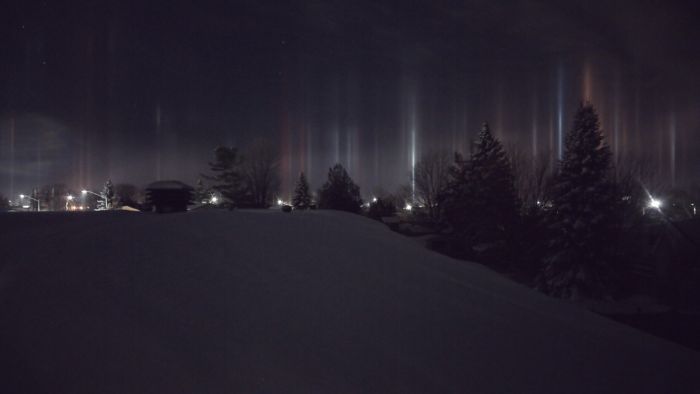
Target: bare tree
<point>431,176</point>
<point>261,172</point>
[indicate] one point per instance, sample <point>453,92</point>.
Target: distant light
<point>25,206</point>
<point>214,199</point>
<point>83,191</point>
<point>408,207</point>
<point>21,196</point>
<point>654,203</point>
<point>69,197</point>
<point>374,199</point>
<point>280,202</point>
<point>539,202</point>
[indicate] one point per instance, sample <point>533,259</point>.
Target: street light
<point>654,203</point>
<point>38,203</point>
<point>69,198</point>
<point>102,196</point>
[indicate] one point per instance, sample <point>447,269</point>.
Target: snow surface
<point>311,302</point>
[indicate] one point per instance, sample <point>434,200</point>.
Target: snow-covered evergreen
<point>108,194</point>
<point>302,196</point>
<point>581,218</point>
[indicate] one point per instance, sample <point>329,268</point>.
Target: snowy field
<point>309,302</point>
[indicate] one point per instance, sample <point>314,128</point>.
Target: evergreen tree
<point>202,194</point>
<point>227,177</point>
<point>339,192</point>
<point>581,220</point>
<point>108,194</point>
<point>482,206</point>
<point>302,197</point>
<point>4,203</point>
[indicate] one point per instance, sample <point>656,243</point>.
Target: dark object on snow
<point>286,208</point>
<point>169,196</point>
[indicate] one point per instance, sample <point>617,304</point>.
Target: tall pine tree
<point>339,192</point>
<point>481,205</point>
<point>581,219</point>
<point>227,177</point>
<point>302,197</point>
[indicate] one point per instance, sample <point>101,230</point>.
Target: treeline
<point>563,226</point>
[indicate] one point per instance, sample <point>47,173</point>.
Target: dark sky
<point>145,90</point>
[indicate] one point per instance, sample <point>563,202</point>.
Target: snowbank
<point>261,301</point>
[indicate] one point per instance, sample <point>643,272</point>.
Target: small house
<point>169,196</point>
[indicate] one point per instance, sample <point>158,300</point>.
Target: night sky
<point>139,91</point>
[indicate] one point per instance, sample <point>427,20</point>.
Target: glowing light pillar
<point>534,127</point>
<point>412,130</point>
<point>12,156</point>
<point>158,158</point>
<point>672,148</point>
<point>560,111</point>
<point>413,159</point>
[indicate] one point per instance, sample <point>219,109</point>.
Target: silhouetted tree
<point>4,203</point>
<point>126,194</point>
<point>431,178</point>
<point>481,204</point>
<point>53,197</point>
<point>302,196</point>
<point>261,173</point>
<point>227,176</point>
<point>339,192</point>
<point>581,219</point>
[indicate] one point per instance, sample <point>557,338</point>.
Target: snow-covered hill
<point>261,301</point>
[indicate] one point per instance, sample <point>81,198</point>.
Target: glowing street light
<point>374,199</point>
<point>69,198</point>
<point>102,196</point>
<point>654,203</point>
<point>280,202</point>
<point>214,199</point>
<point>38,203</point>
<point>408,207</point>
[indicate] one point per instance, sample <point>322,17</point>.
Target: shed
<point>169,196</point>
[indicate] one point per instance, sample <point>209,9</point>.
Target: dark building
<point>169,196</point>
